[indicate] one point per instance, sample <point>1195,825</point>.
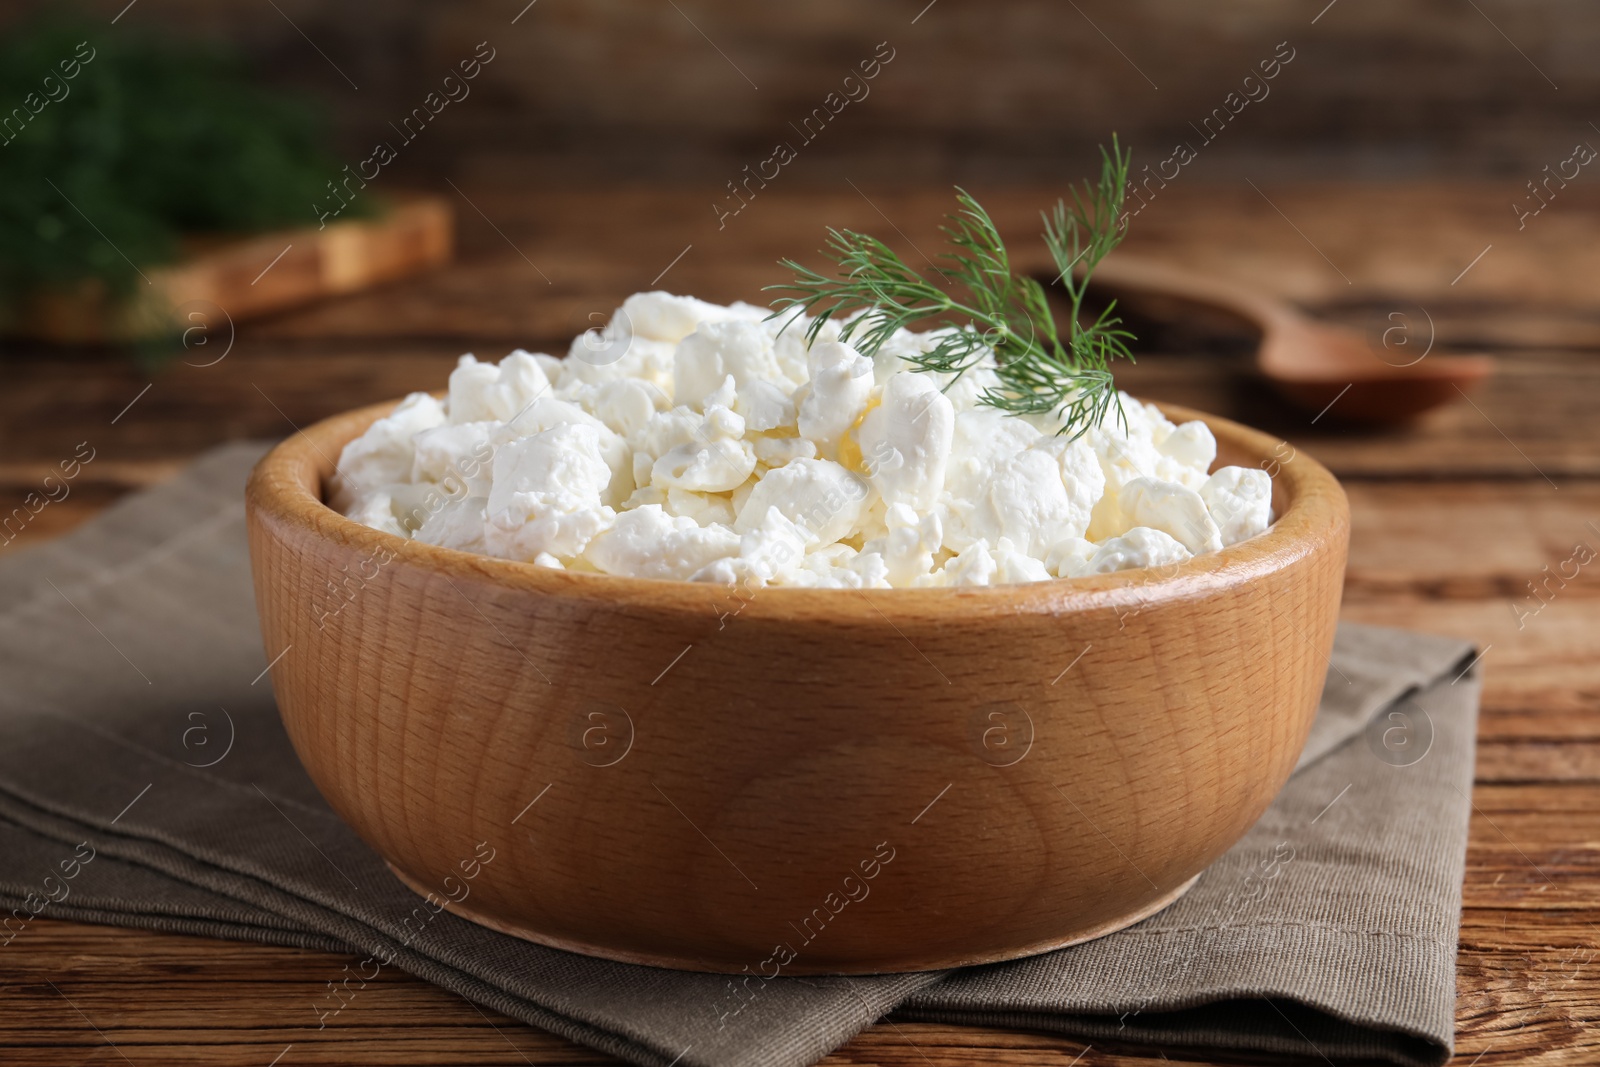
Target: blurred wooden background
<point>1015,89</point>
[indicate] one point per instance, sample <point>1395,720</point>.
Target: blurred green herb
<point>1039,370</point>
<point>114,145</point>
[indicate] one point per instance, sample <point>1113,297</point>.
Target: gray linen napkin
<point>145,781</point>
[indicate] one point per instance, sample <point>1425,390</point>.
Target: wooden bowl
<point>796,781</point>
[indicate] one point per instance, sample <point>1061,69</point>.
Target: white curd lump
<point>690,441</point>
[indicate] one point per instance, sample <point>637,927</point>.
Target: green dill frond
<point>1041,372</point>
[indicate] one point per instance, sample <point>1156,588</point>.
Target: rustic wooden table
<point>1453,518</point>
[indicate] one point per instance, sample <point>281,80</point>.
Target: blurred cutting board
<point>256,275</point>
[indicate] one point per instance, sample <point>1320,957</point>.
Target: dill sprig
<point>1040,372</point>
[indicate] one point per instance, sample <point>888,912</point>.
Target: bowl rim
<point>287,485</point>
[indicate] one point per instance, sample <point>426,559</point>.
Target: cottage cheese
<point>695,442</point>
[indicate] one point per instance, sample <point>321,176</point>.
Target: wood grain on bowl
<point>795,780</point>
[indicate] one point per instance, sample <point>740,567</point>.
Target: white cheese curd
<point>625,405</point>
<point>841,384</point>
<point>1139,547</point>
<point>765,406</point>
<point>974,565</point>
<point>908,549</point>
<point>1013,567</point>
<point>768,552</point>
<point>376,509</point>
<point>1027,504</point>
<point>438,453</point>
<point>1188,452</point>
<point>716,460</point>
<point>905,441</point>
<point>1070,558</point>
<point>482,392</point>
<point>1240,501</point>
<point>694,442</point>
<point>1173,509</point>
<point>459,523</point>
<point>546,494</point>
<point>718,351</point>
<point>385,452</point>
<point>648,543</point>
<point>817,494</point>
<point>1081,475</point>
<point>660,316</point>
<point>776,451</point>
<point>705,508</point>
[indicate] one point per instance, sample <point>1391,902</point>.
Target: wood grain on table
<point>1452,518</point>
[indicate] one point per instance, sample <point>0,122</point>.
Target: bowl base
<point>687,963</point>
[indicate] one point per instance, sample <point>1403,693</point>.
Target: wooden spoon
<point>1309,363</point>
